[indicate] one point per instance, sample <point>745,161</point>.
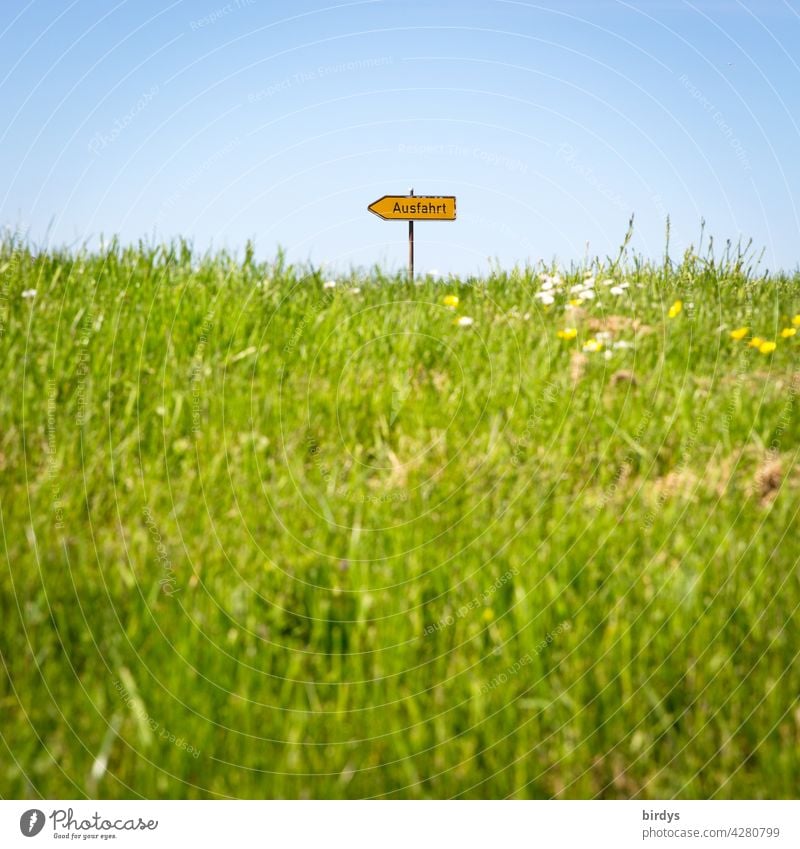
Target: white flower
<point>29,293</point>
<point>578,287</point>
<point>545,297</point>
<point>587,294</point>
<point>355,290</point>
<point>547,285</point>
<point>329,284</point>
<point>622,344</point>
<point>464,321</point>
<point>607,354</point>
<point>617,290</point>
<point>603,335</point>
<point>609,281</point>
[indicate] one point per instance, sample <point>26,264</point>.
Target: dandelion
<point>464,321</point>
<point>488,615</point>
<point>450,301</point>
<point>329,284</point>
<point>575,302</point>
<point>675,309</point>
<point>755,342</point>
<point>567,333</point>
<point>739,333</point>
<point>28,294</point>
<point>767,347</point>
<point>796,320</point>
<point>593,346</point>
<point>787,332</point>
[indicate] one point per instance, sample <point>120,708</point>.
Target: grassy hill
<point>267,536</point>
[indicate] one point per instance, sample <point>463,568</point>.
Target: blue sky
<point>277,121</point>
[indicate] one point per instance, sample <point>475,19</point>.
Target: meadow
<point>267,533</point>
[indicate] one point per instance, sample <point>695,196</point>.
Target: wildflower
<point>29,293</point>
<point>788,331</point>
<point>488,615</point>
<point>608,354</point>
<point>567,333</point>
<point>575,302</point>
<point>622,344</point>
<point>739,333</point>
<point>592,346</point>
<point>767,347</point>
<point>546,298</point>
<point>603,335</point>
<point>675,309</point>
<point>755,342</point>
<point>464,321</point>
<point>450,301</point>
<point>355,290</point>
<point>329,284</point>
<point>796,320</point>
<point>609,281</point>
<point>588,294</point>
<point>617,290</point>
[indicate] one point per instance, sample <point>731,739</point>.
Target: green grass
<point>261,538</point>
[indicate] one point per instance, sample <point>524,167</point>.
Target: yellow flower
<point>488,615</point>
<point>796,320</point>
<point>567,333</point>
<point>739,333</point>
<point>675,309</point>
<point>788,331</point>
<point>755,342</point>
<point>575,302</point>
<point>766,347</point>
<point>593,345</point>
<point>450,301</point>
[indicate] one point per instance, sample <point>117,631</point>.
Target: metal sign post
<point>411,242</point>
<point>413,208</point>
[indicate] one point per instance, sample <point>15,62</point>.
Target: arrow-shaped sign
<point>415,208</point>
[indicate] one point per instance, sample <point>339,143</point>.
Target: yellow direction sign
<point>415,208</point>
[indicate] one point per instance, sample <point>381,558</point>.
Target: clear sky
<point>281,121</point>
